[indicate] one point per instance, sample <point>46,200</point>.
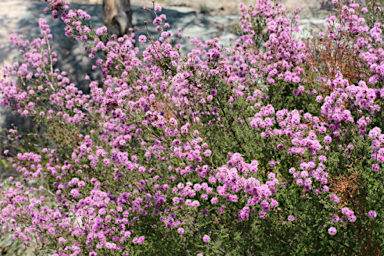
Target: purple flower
<point>100,31</point>
<point>372,214</point>
<point>207,152</point>
<point>139,240</point>
<point>262,214</point>
<point>327,139</point>
<point>346,211</point>
<point>334,198</point>
<point>62,240</point>
<point>180,230</point>
<point>296,79</point>
<point>274,203</point>
<point>291,218</point>
<point>375,167</point>
<point>322,158</point>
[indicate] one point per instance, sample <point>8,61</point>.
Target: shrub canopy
<point>271,147</point>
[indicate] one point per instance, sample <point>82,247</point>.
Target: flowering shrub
<point>272,147</point>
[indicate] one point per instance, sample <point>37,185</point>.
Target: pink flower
<point>327,139</point>
<point>372,214</point>
<point>62,240</point>
<point>334,198</point>
<point>206,239</point>
<point>375,167</point>
<point>214,201</point>
<point>332,231</point>
<point>100,31</point>
<point>142,39</point>
<point>207,152</point>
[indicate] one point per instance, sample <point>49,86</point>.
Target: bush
<point>272,147</point>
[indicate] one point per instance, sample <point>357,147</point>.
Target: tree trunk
<point>117,16</point>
